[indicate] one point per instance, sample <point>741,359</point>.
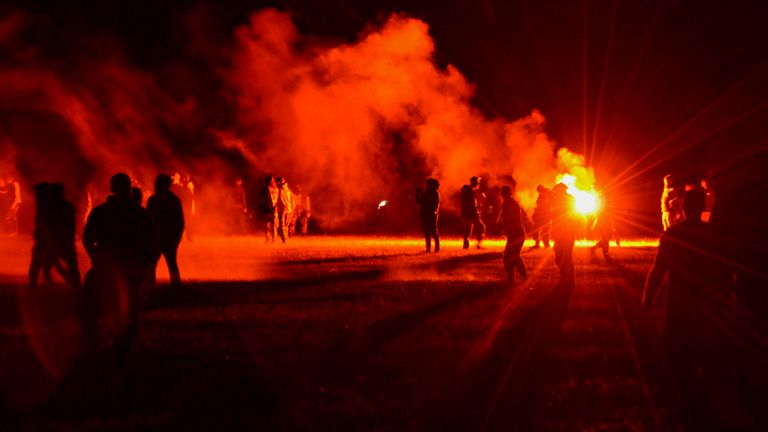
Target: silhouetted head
<point>269,180</point>
<point>668,180</point>
<point>475,181</point>
<point>238,181</point>
<point>281,182</point>
<point>56,191</point>
<point>693,203</point>
<point>162,183</point>
<point>506,191</point>
<point>120,185</point>
<point>560,188</point>
<point>176,178</point>
<point>433,183</point>
<point>704,183</point>
<point>42,191</point>
<point>137,197</point>
<point>541,189</point>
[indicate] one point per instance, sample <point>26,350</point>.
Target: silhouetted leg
<point>173,266</point>
<point>436,235</point>
<point>73,270</point>
<point>124,343</point>
<point>35,266</point>
<point>468,226</point>
<point>481,231</point>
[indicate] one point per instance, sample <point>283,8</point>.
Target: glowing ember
<point>587,201</point>
<point>383,204</point>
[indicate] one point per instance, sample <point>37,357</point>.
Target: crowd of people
<point>280,212</point>
<point>123,240</point>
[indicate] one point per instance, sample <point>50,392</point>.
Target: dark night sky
<point>653,76</point>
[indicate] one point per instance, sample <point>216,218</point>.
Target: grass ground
<point>349,333</point>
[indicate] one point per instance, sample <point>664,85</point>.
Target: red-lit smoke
<point>353,122</point>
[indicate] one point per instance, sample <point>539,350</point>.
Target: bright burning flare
<point>587,201</point>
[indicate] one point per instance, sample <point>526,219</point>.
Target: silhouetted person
<point>670,204</point>
<point>268,208</point>
<point>513,222</point>
<point>542,217</point>
<point>54,236</point>
<point>604,229</point>
<point>13,198</point>
<point>239,206</point>
<point>564,228</point>
<point>119,239</point>
<point>698,282</point>
<point>283,208</point>
<point>302,212</point>
<point>167,214</point>
<point>709,200</point>
<point>429,212</point>
<point>470,212</point>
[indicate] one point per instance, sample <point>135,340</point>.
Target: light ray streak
<point>601,95</point>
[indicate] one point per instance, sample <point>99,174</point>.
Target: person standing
<point>167,215</point>
<point>564,227</point>
<point>542,217</point>
<point>513,221</point>
<point>120,242</point>
<point>470,212</point>
<point>429,211</point>
<point>284,208</point>
<point>709,200</point>
<point>302,211</point>
<point>268,208</point>
<point>670,204</point>
<point>239,207</point>
<point>54,236</point>
<point>14,200</point>
<point>699,280</point>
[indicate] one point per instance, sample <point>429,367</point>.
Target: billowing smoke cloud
<point>361,119</point>
<point>353,122</point>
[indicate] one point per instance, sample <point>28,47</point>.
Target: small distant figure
<point>699,284</point>
<point>604,228</point>
<point>188,204</point>
<point>671,211</point>
<point>429,212</point>
<point>13,198</point>
<point>284,208</point>
<point>268,208</point>
<point>302,212</point>
<point>564,228</point>
<point>513,222</point>
<point>542,217</point>
<point>239,207</point>
<point>167,214</point>
<point>54,236</point>
<point>471,212</point>
<point>709,200</point>
<point>119,239</point>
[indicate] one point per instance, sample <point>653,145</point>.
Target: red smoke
<point>351,116</point>
<point>355,122</point>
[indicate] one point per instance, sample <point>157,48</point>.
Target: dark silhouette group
<point>124,242</point>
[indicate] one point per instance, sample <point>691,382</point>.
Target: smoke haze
<point>352,122</point>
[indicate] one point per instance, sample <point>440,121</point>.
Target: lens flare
<point>587,202</point>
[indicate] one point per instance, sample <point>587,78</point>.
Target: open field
<point>354,334</point>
